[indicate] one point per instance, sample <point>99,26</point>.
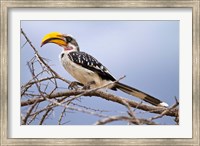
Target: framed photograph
<point>99,73</point>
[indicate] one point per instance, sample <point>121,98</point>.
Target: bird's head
<point>67,42</point>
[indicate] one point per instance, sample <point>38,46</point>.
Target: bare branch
<point>45,116</point>
<point>107,96</point>
<point>165,111</point>
<point>61,116</point>
<point>124,118</point>
<point>24,120</point>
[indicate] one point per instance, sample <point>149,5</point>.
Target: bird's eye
<point>68,39</point>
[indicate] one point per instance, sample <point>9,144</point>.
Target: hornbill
<point>88,70</point>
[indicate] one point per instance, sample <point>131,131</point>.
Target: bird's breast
<point>83,75</point>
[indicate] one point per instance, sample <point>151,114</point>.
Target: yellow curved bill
<point>54,37</point>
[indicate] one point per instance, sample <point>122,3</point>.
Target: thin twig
<point>123,118</point>
<point>61,116</point>
<point>165,111</point>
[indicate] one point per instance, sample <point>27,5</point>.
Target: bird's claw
<point>87,87</point>
<point>74,85</point>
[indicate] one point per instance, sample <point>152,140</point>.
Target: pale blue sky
<point>147,52</point>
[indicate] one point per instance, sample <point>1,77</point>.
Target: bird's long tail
<point>137,93</point>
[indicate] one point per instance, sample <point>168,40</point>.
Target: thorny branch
<point>43,95</point>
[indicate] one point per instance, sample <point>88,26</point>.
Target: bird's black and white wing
<point>87,61</point>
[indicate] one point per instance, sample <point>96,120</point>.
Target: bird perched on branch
<point>88,70</point>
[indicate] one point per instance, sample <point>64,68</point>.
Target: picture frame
<point>5,5</point>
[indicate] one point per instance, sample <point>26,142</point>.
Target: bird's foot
<point>87,87</point>
<point>74,85</point>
